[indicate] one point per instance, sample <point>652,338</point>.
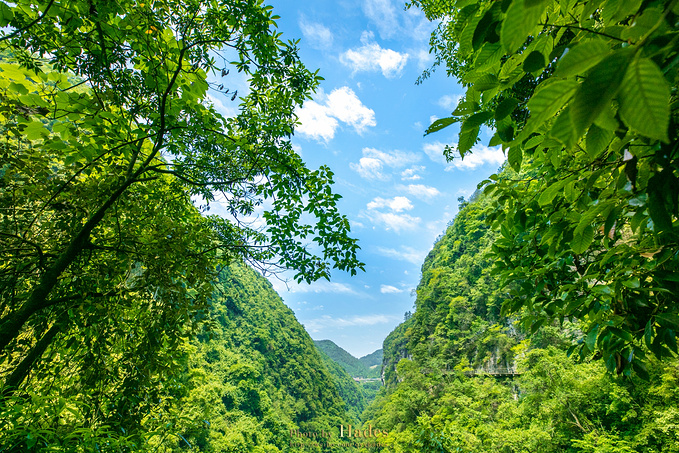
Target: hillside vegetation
<point>442,370</point>
<point>357,368</point>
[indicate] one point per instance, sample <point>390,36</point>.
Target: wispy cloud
<point>371,58</point>
<point>426,193</point>
<point>390,20</point>
<point>320,118</point>
<point>412,173</point>
<point>478,156</point>
<point>374,162</point>
<point>388,289</point>
<point>404,253</point>
<point>449,102</point>
<point>383,14</point>
<point>325,322</point>
<point>393,221</point>
<point>317,35</point>
<point>396,204</point>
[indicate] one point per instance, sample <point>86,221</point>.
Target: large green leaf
<point>581,57</point>
<point>469,134</point>
<point>520,21</point>
<point>582,240</point>
<point>597,91</point>
<point>440,124</point>
<point>645,99</point>
<point>548,100</point>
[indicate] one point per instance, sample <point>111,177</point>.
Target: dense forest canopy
<point>582,96</point>
<point>107,267</point>
<point>462,376</point>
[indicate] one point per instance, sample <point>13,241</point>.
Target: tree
<point>582,96</point>
<point>108,132</point>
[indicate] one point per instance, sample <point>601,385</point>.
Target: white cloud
<point>422,192</point>
<point>316,121</point>
<point>369,168</point>
<point>405,253</point>
<point>478,156</point>
<point>317,287</point>
<point>395,222</point>
<point>435,152</point>
<point>383,14</point>
<point>348,108</point>
<point>374,162</point>
<point>411,174</point>
<point>319,119</point>
<point>226,111</point>
<point>449,102</point>
<point>396,204</point>
<point>317,35</point>
<point>324,322</point>
<point>388,289</point>
<point>371,57</point>
<point>424,59</point>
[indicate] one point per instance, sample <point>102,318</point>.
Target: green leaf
<point>581,57</point>
<point>597,141</point>
<point>620,333</point>
<point>505,108</point>
<point>478,119</point>
<point>486,82</point>
<point>469,134</point>
<point>6,14</point>
<point>440,124</point>
<point>645,99</point>
<point>590,340</point>
<point>551,192</point>
<point>514,158</point>
<point>582,240</point>
<point>519,24</point>
<point>548,100</point>
<point>535,61</point>
<point>597,91</point>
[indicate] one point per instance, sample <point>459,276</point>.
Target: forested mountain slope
<point>256,374</point>
<point>355,367</point>
<point>446,370</point>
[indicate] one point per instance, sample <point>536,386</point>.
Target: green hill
<point>372,360</point>
<point>355,367</point>
<point>460,376</point>
<point>256,375</point>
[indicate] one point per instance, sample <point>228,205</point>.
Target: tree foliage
<point>581,94</point>
<point>108,134</point>
<point>443,393</point>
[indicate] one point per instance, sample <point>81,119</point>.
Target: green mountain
<point>460,376</point>
<point>356,368</point>
<point>255,375</point>
<point>349,390</point>
<point>372,360</point>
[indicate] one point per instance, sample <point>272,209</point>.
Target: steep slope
<point>351,364</point>
<point>349,390</point>
<point>372,360</point>
<point>256,375</point>
<point>461,377</point>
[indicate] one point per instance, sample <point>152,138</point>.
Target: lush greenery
<point>255,375</point>
<point>106,266</point>
<point>582,96</point>
<point>349,390</point>
<point>358,368</point>
<point>461,376</point>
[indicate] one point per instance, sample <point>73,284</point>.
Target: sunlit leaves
<point>645,99</point>
<point>592,131</point>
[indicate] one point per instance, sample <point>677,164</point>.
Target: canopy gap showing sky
<point>367,122</point>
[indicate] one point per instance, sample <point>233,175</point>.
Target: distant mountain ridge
<point>368,366</point>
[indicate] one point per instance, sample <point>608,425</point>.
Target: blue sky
<point>367,122</point>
